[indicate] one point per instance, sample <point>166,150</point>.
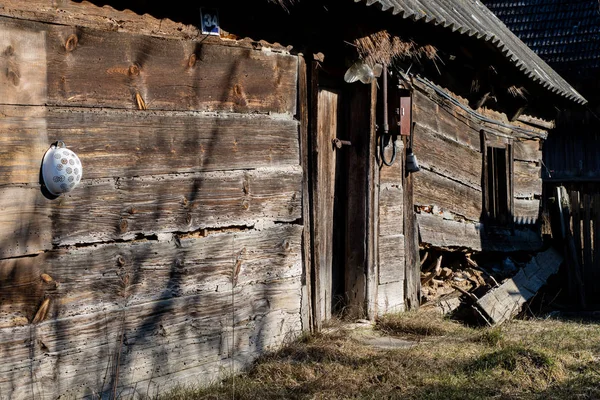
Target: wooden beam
<point>87,67</point>
<point>119,143</point>
<point>121,209</point>
<point>90,279</point>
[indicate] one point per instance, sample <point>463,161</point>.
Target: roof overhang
<point>472,18</point>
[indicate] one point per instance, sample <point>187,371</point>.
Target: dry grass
<point>538,359</point>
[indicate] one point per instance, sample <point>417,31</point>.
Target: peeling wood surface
<point>112,143</point>
<point>505,301</point>
<point>220,78</point>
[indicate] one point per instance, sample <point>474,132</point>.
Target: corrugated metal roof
<point>565,34</point>
<point>472,18</point>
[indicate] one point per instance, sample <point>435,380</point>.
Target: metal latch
<point>339,143</point>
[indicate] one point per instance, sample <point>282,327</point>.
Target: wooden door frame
<point>361,278</point>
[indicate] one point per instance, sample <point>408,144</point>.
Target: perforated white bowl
<point>61,169</point>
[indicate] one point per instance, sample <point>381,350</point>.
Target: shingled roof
<point>565,34</point>
<point>472,18</point>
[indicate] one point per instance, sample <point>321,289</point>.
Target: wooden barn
<point>236,189</point>
<point>565,35</point>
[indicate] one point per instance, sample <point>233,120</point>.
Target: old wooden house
<point>566,35</point>
<point>236,189</point>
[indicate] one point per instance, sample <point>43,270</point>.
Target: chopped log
<point>436,271</point>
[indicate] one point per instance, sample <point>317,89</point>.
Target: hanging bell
<point>412,165</point>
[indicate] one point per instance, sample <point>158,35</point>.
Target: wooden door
<point>328,118</point>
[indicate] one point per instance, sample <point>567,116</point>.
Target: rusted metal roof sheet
<point>565,34</point>
<point>472,18</point>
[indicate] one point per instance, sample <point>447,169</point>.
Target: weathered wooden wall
<point>448,189</point>
<point>179,255</point>
<point>391,236</point>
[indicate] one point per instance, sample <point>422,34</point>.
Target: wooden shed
<point>234,188</point>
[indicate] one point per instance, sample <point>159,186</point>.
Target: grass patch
<point>535,359</point>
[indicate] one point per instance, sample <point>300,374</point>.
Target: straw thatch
<point>383,48</point>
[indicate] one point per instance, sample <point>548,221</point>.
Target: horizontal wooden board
<point>91,16</point>
<point>391,210</point>
<point>446,120</point>
<point>527,150</point>
<point>156,345</point>
<point>87,67</point>
<point>391,259</point>
<point>390,298</point>
<point>103,210</point>
<point>113,143</point>
<point>89,279</point>
<point>528,180</point>
<point>447,157</point>
<point>432,189</point>
<point>438,232</point>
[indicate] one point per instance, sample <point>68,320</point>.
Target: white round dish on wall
<point>61,169</point>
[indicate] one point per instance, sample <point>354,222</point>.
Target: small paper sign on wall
<point>209,20</point>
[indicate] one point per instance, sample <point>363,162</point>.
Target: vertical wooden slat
<point>303,93</point>
<point>596,241</point>
<point>373,209</point>
<point>327,128</point>
<point>412,282</point>
<point>314,189</point>
<point>587,243</point>
<point>576,225</point>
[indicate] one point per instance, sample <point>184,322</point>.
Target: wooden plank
<point>166,342</point>
<point>305,157</point>
<point>166,74</point>
<point>439,232</point>
<point>527,179</point>
<point>526,212</point>
<point>596,241</point>
<point>432,189</point>
<point>505,301</point>
<point>588,267</point>
<point>412,283</point>
<point>122,143</point>
<point>391,259</point>
<point>92,278</point>
<point>122,209</point>
<point>393,175</point>
<point>390,298</point>
<point>329,103</point>
<point>368,299</point>
<point>391,210</point>
<point>89,15</point>
<point>445,120</point>
<point>527,150</point>
<point>576,228</point>
<point>447,157</point>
